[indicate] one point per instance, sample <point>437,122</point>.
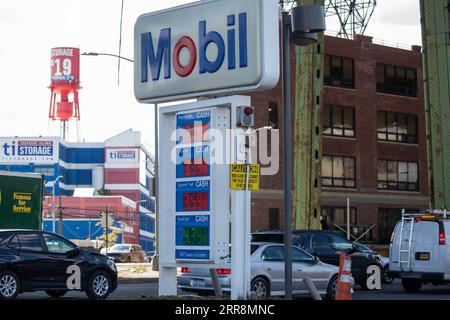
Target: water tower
<point>64,86</point>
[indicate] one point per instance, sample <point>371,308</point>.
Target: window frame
<point>390,183</point>
<point>394,86</point>
<point>335,80</point>
<point>331,119</point>
<point>343,179</point>
<point>414,137</point>
<point>353,214</point>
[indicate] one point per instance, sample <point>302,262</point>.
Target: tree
<point>104,192</point>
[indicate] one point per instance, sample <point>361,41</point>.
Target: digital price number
<point>196,236</point>
<point>195,201</point>
<point>195,170</point>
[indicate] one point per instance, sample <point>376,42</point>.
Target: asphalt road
<point>389,292</point>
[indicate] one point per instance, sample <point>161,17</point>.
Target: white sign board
<point>206,48</point>
<point>121,155</point>
<point>29,150</point>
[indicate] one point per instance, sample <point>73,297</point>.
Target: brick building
<point>374,138</point>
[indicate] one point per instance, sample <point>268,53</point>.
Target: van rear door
<point>428,252</point>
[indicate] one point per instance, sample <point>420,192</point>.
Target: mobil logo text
<point>205,52</point>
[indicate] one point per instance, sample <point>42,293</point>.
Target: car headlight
<point>112,265</point>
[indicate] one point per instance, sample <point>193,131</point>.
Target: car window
<point>253,248</point>
<point>56,244</point>
<point>320,241</point>
<point>300,256</point>
<point>273,253</point>
<point>298,241</point>
<point>14,243</point>
<point>30,242</point>
<point>340,243</point>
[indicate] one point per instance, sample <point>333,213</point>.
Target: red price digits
<point>191,132</point>
<point>195,201</point>
<point>193,170</point>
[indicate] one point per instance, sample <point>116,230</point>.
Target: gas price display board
<point>193,187</point>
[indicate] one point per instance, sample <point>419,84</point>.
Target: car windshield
<point>120,248</point>
<point>362,247</point>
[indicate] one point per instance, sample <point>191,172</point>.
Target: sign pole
<point>287,138</point>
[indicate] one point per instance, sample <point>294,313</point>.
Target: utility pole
<point>60,215</point>
<point>307,148</point>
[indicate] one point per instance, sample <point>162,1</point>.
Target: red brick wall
<point>365,147</point>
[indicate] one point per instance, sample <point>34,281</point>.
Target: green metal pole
<point>436,54</point>
<point>308,131</point>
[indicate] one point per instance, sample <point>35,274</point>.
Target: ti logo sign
<point>206,47</point>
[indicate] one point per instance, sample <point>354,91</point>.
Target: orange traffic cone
<point>344,291</point>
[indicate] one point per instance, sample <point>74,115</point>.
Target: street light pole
<point>53,204</point>
<point>287,154</point>
<point>95,54</point>
<point>299,28</point>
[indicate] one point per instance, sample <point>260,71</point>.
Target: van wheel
<point>411,285</point>
<point>9,285</point>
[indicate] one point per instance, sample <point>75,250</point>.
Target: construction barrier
<point>344,291</point>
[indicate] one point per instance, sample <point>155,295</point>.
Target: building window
<point>396,80</point>
<point>273,115</point>
<point>274,219</point>
<point>338,215</point>
<point>338,171</point>
<point>339,72</point>
<point>397,127</point>
<point>387,219</point>
<point>338,121</point>
<point>398,175</point>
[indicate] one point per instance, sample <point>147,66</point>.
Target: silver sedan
<point>267,274</point>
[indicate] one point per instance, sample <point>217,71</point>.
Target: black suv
<point>42,261</point>
<point>327,246</point>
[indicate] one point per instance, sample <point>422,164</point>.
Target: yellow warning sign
<point>238,176</point>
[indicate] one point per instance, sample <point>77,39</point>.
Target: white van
<point>420,250</point>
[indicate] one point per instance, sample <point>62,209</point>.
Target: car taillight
<point>185,270</point>
<point>441,238</point>
<point>223,271</point>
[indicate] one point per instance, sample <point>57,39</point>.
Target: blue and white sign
<point>206,47</point>
<point>23,150</point>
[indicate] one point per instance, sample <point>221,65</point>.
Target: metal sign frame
<point>220,191</point>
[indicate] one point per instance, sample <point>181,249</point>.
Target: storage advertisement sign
<point>33,150</point>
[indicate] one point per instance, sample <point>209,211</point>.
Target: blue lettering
<point>5,149</point>
<point>231,43</point>
<point>243,55</point>
<point>148,53</point>
<point>205,40</point>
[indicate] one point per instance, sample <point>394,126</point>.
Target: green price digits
<point>196,236</point>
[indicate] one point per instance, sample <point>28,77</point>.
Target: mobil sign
<point>208,47</point>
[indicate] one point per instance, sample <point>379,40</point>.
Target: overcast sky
<point>30,28</point>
